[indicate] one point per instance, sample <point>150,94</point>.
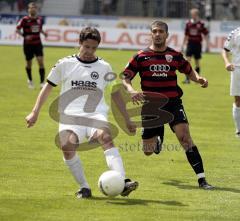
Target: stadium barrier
<point>114,38</point>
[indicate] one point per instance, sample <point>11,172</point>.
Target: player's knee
<point>148,148</point>
<point>68,140</point>
<point>68,154</point>
<point>185,141</point>
<point>69,149</point>
<point>148,153</point>
<point>237,102</point>
<point>69,146</point>
<point>105,138</point>
<point>65,146</point>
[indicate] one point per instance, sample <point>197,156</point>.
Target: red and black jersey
<point>157,71</point>
<point>195,30</point>
<point>32,28</point>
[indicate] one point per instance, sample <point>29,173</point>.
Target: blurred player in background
<point>30,28</point>
<point>195,30</point>
<point>83,74</point>
<point>157,66</point>
<point>232,46</point>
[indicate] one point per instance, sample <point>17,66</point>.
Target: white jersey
<point>82,85</point>
<point>233,44</point>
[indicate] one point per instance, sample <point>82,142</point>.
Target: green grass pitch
<point>36,185</point>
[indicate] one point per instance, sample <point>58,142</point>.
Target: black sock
<point>195,160</point>
<point>197,69</point>
<point>161,133</point>
<point>200,180</point>
<point>29,73</point>
<point>42,74</point>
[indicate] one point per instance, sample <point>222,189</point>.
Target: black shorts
<point>31,50</point>
<point>194,49</point>
<point>173,108</point>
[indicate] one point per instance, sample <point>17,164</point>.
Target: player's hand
<point>203,82</point>
<point>28,37</point>
<point>137,97</point>
<point>31,119</point>
<point>132,127</point>
<point>230,67</point>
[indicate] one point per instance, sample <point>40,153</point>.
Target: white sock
<point>236,117</point>
<point>201,175</point>
<point>114,160</point>
<point>76,169</point>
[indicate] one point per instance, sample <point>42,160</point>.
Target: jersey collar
<point>86,62</point>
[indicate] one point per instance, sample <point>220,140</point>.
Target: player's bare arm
<point>137,97</point>
<point>194,76</point>
<point>226,57</point>
<point>117,98</point>
<point>44,33</point>
<point>42,97</point>
<point>206,37</point>
<point>18,31</point>
<point>185,40</point>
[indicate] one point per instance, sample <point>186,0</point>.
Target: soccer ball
<point>111,183</point>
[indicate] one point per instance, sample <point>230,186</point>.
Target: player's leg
<point>69,141</point>
<point>152,136</point>
<point>194,158</point>
<point>160,139</point>
<point>149,145</point>
<point>28,58</point>
<point>197,65</point>
<point>113,157</point>
<point>41,70</point>
<point>180,126</point>
<point>236,115</point>
<point>40,60</point>
<point>235,91</point>
<point>152,140</point>
<point>197,57</point>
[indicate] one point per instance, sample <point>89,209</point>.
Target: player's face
<point>88,49</point>
<point>32,10</point>
<point>159,35</point>
<point>194,15</point>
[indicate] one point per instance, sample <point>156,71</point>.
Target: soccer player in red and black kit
<point>31,27</point>
<point>157,66</point>
<point>195,30</point>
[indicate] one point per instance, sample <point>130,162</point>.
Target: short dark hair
<point>161,24</point>
<point>89,33</point>
<point>32,4</point>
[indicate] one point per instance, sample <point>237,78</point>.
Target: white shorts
<point>235,83</point>
<point>86,131</point>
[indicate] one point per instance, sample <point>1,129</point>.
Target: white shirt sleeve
<point>228,45</point>
<point>110,76</point>
<point>55,75</point>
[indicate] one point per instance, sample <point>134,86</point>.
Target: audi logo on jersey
<point>159,68</point>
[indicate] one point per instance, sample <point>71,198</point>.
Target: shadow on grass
<point>181,185</point>
<point>128,202</point>
<point>31,203</point>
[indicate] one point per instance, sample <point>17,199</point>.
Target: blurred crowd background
<point>209,9</point>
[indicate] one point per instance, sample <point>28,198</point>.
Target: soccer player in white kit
<point>83,75</point>
<point>232,46</point>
